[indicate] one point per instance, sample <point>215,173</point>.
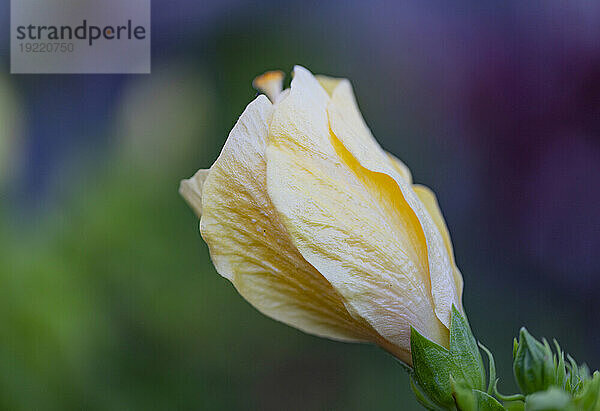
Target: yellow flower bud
<point>320,228</point>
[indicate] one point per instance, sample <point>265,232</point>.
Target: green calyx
<point>454,378</point>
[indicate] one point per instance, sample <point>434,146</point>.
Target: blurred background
<point>108,299</point>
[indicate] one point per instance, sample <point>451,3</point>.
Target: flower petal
<point>347,221</point>
<point>348,126</point>
<point>400,167</point>
<point>328,83</point>
<point>250,247</point>
<point>430,202</point>
<point>191,190</point>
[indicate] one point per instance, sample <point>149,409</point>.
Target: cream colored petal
<point>282,96</point>
<point>328,83</point>
<point>348,126</point>
<point>430,201</point>
<point>400,167</point>
<point>250,247</point>
<point>191,190</point>
<point>348,222</point>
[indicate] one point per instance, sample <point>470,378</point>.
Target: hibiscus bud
<point>534,364</point>
<point>320,228</point>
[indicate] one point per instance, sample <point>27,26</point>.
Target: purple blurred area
<point>520,86</point>
<point>495,105</point>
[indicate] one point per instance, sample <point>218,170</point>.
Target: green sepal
<point>486,402</point>
<point>514,406</point>
<point>561,368</point>
<point>463,395</point>
<point>431,364</point>
<point>492,368</point>
<point>513,397</point>
<point>434,365</point>
<point>469,399</point>
<point>464,352</point>
<point>421,397</point>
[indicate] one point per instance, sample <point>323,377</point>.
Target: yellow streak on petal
<point>330,84</point>
<point>349,127</point>
<point>250,247</point>
<point>270,83</point>
<point>348,222</point>
<point>191,190</point>
<point>430,201</point>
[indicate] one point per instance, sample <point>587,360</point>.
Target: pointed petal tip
<point>298,67</point>
<point>270,83</point>
<point>191,190</point>
<point>301,71</point>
